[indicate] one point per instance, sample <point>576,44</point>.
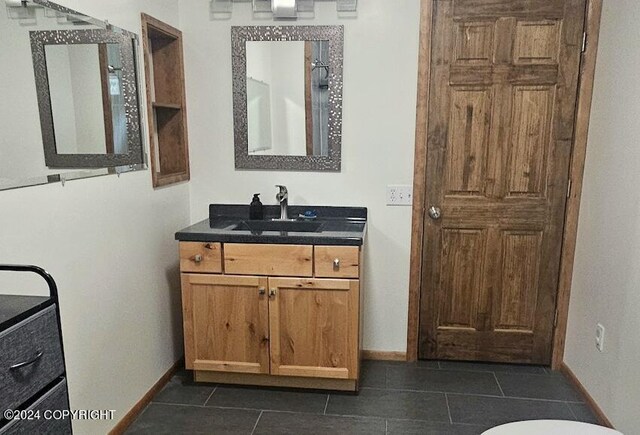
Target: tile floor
<point>428,397</point>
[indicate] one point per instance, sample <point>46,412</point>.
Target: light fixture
<point>21,9</point>
<point>284,9</point>
<point>280,9</point>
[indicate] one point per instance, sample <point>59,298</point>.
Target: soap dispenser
<point>256,211</point>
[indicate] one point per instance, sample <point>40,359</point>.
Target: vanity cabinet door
<point>225,323</point>
<point>314,327</point>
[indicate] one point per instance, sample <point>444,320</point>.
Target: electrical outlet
<point>399,195</point>
<point>600,337</point>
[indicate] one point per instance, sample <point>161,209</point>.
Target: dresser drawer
<point>34,343</point>
<point>272,260</point>
<point>337,261</point>
<point>200,257</point>
<point>53,400</point>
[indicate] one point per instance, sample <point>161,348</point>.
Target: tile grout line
<point>209,398</point>
<point>571,411</point>
<point>446,399</point>
<point>326,404</point>
<point>386,377</point>
<point>537,399</point>
<point>257,421</point>
<point>386,427</point>
<point>498,382</point>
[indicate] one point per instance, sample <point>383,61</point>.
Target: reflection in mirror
<point>288,97</point>
<point>80,76</point>
<point>93,95</point>
<point>86,98</point>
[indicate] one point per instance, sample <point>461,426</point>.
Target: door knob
<point>272,293</point>
<point>262,291</point>
<point>435,213</point>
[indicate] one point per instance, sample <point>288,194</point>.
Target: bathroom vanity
<point>275,303</point>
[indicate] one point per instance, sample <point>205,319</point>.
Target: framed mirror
<point>87,97</point>
<point>70,100</point>
<point>287,97</point>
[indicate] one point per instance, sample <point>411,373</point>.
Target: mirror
<point>84,79</point>
<point>70,98</point>
<point>288,97</point>
<point>86,98</point>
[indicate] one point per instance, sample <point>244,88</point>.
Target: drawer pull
<point>272,293</point>
<point>262,291</point>
<point>336,264</point>
<point>27,363</point>
<point>197,258</point>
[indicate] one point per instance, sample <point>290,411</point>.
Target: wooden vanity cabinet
<point>257,329</point>
<point>226,324</point>
<point>313,326</point>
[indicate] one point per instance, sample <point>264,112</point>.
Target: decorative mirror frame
<point>239,37</point>
<point>126,41</point>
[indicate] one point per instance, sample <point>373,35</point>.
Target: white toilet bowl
<point>550,427</point>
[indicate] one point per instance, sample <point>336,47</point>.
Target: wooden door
<point>314,327</point>
<point>502,100</point>
<point>226,324</point>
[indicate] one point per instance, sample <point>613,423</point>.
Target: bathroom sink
<point>286,226</point>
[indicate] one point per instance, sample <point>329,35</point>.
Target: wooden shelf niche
<point>166,102</point>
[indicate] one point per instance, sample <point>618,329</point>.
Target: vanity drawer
<point>274,260</point>
<point>200,257</point>
<point>337,261</point>
<point>53,400</point>
<point>35,342</point>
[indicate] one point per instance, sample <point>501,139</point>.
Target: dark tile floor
<point>428,397</point>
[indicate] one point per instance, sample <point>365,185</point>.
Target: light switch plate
<point>400,195</point>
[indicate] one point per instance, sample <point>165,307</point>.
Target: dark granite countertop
<point>14,309</point>
<point>339,226</point>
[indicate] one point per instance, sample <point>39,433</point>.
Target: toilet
<point>550,427</point>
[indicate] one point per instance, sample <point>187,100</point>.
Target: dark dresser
<point>33,383</point>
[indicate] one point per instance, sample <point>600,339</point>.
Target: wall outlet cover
<point>399,195</point>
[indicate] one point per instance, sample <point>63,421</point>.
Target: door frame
<point>576,174</point>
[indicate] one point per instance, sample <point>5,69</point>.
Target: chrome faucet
<point>283,198</point>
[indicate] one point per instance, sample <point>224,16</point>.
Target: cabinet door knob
<point>336,264</point>
<point>262,291</point>
<point>272,293</point>
<point>197,258</point>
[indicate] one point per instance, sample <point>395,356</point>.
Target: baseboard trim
<point>602,418</point>
<point>381,355</point>
<point>137,409</point>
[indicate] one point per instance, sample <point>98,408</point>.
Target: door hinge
<point>555,319</point>
<point>569,189</point>
<point>584,42</point>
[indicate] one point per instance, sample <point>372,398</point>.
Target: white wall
<point>281,65</point>
<point>288,99</point>
<point>62,107</point>
<point>606,280</point>
<point>380,76</point>
<point>109,244</point>
<point>76,98</point>
<point>84,61</point>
